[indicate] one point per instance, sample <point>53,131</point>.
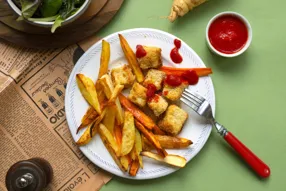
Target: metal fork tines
<point>199,104</point>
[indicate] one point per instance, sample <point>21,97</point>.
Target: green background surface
<point>250,94</point>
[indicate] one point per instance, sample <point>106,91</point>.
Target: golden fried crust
<point>138,94</point>
<point>123,76</point>
<point>173,120</point>
<point>154,77</point>
<point>158,105</point>
<point>152,59</point>
<point>173,93</point>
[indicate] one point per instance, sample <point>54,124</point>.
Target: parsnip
<point>182,7</point>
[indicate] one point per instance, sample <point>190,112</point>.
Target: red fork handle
<point>248,156</point>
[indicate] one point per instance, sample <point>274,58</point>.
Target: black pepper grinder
<point>29,175</point>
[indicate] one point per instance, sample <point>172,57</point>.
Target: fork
<point>202,107</point>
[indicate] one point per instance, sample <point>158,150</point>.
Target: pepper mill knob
<point>29,175</point>
<point>25,180</point>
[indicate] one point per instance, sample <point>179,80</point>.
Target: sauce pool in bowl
<point>228,34</point>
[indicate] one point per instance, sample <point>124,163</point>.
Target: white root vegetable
<point>182,7</point>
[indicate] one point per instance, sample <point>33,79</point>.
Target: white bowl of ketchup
<point>228,34</point>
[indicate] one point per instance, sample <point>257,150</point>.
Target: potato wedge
<point>109,137</point>
<point>146,145</point>
<point>128,134</point>
<point>88,118</point>
<point>108,89</point>
<point>124,160</point>
<point>132,154</point>
<point>134,168</point>
<point>169,142</point>
<point>111,151</point>
<point>91,130</point>
<point>150,136</point>
<point>91,114</point>
<point>138,147</point>
<point>88,91</point>
<point>86,137</point>
<point>174,160</point>
<point>131,59</point>
<point>104,59</point>
<point>117,90</point>
<point>118,134</point>
<point>140,115</point>
<point>109,118</point>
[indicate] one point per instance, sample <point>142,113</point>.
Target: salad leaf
<point>50,8</point>
<point>45,19</point>
<point>57,23</point>
<point>78,3</point>
<point>29,7</point>
<point>69,7</point>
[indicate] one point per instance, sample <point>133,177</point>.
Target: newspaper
<point>32,115</point>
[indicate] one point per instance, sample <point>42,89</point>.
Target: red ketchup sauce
<point>156,98</point>
<point>191,77</point>
<point>175,55</point>
<point>151,90</point>
<point>173,80</point>
<point>188,77</point>
<point>140,51</point>
<point>228,34</point>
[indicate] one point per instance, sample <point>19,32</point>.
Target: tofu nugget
<point>173,93</point>
<point>123,76</point>
<point>158,105</point>
<point>173,120</point>
<point>138,94</point>
<point>152,59</point>
<point>154,77</point>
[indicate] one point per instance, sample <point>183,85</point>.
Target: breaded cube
<point>173,93</point>
<point>158,105</point>
<point>173,120</point>
<point>154,77</point>
<point>138,94</point>
<point>123,76</point>
<point>152,58</point>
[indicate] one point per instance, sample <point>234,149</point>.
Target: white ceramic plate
<point>195,128</point>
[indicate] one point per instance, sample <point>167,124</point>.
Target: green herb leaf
<point>50,7</point>
<point>46,19</point>
<point>29,7</point>
<point>57,23</point>
<point>68,8</point>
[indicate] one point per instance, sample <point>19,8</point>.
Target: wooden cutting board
<point>26,35</point>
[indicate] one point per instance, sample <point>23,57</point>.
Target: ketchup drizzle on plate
<point>177,43</point>
<point>174,54</point>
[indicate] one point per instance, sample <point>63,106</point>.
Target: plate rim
<point>85,150</point>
